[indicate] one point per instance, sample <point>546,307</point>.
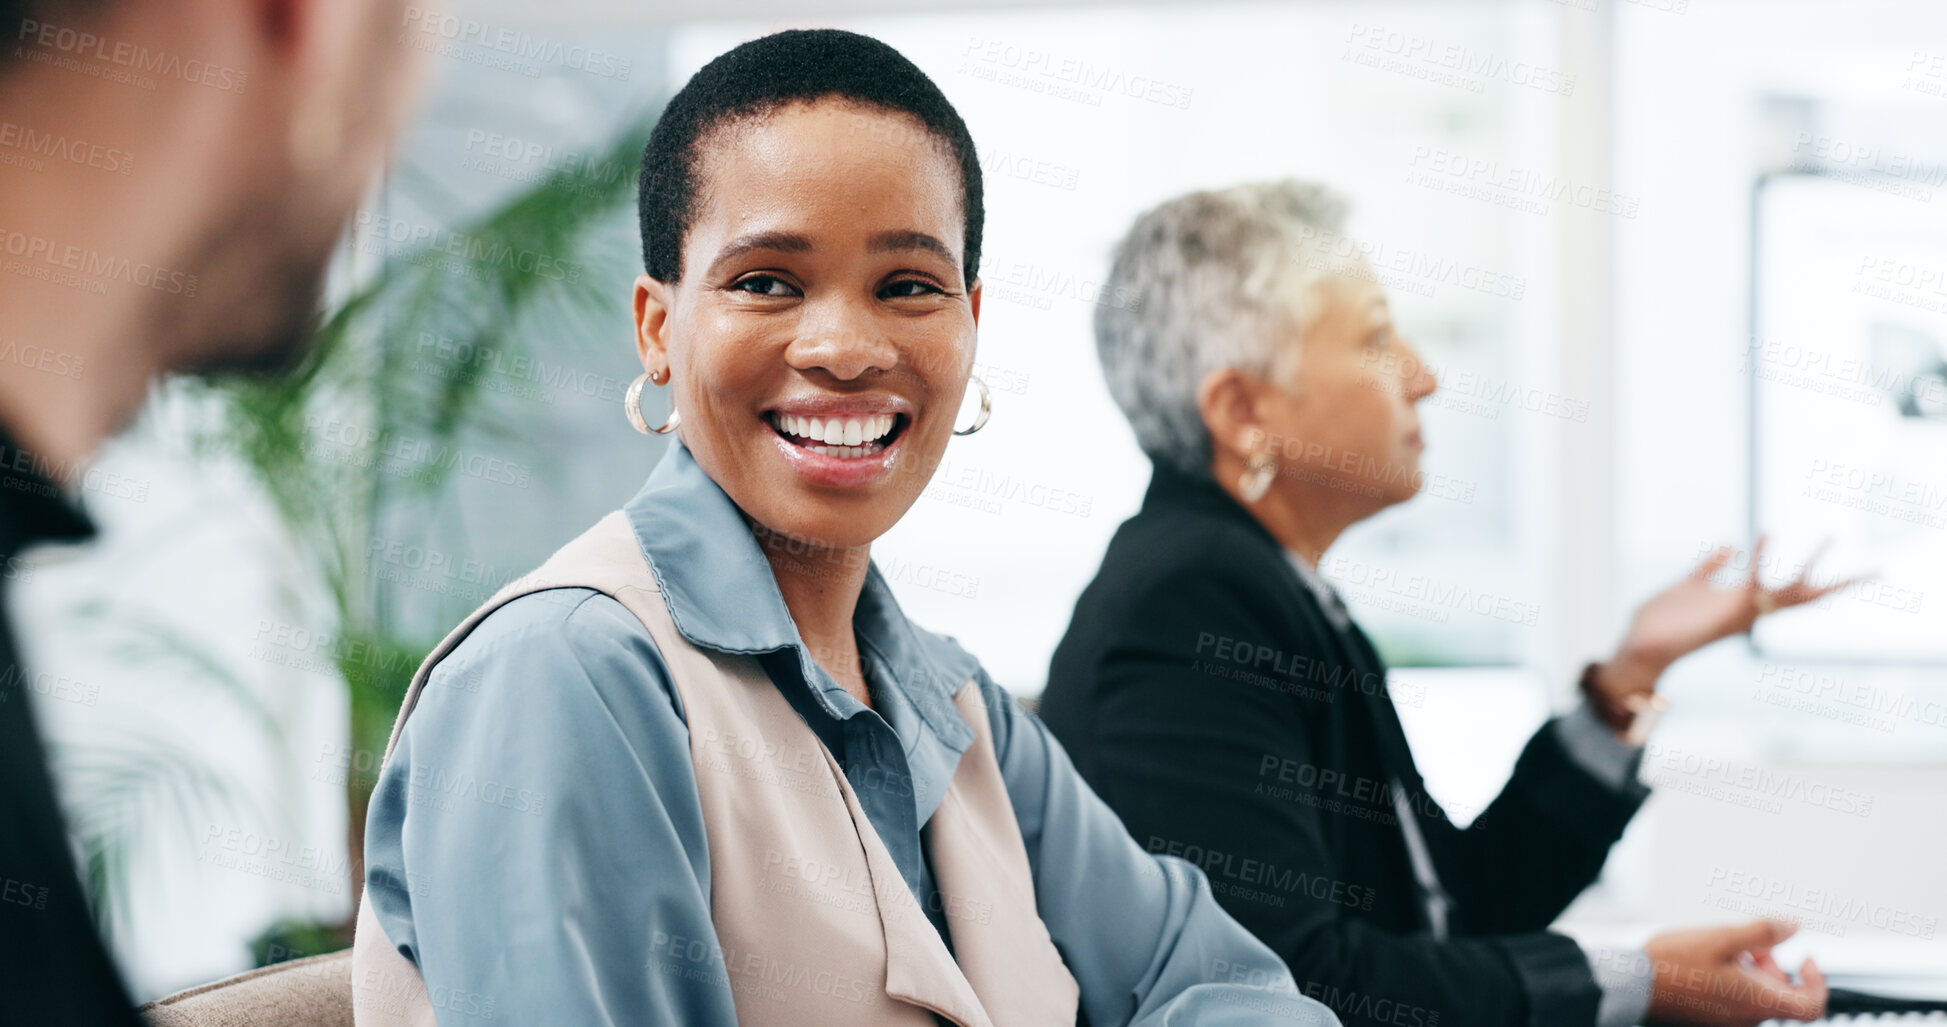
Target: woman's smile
<point>840,442</point>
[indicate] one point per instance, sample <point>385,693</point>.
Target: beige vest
<point>815,923</point>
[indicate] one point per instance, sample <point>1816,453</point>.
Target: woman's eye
<point>908,287</point>
<point>764,285</point>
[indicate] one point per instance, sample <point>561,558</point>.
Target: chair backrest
<point>312,992</point>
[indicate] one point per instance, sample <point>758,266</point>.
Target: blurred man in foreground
<point>173,177</point>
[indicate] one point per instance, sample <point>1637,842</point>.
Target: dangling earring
<point>632,407</point>
<point>986,408</point>
<point>1257,476</point>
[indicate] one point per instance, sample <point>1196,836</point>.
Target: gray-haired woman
<point>1218,695</point>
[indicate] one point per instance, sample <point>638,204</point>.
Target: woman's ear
<point>1227,399</point>
<point>652,298</point>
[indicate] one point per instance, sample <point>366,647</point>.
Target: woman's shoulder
<point>1176,554</point>
<point>533,648</point>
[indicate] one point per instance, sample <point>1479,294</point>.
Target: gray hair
<point>1218,279</point>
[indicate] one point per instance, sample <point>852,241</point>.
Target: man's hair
<point>758,78</point>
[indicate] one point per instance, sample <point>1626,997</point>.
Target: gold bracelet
<point>1646,710</point>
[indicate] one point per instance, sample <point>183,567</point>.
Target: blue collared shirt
<point>536,846</point>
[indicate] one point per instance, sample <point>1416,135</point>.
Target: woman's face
<point>1350,421</point>
<point>820,339</point>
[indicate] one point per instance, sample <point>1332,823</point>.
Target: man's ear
<point>1228,400</point>
<point>341,69</point>
<point>652,322</point>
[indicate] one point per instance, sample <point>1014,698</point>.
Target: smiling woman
<point>754,792</point>
<point>832,293</point>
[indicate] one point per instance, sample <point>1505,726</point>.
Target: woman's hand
<point>1726,975</point>
<point>1693,613</point>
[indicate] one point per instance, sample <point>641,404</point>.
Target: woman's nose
<point>845,344</point>
<point>1420,380</point>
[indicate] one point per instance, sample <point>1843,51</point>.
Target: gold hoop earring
<point>1257,476</point>
<point>986,408</point>
<point>632,407</point>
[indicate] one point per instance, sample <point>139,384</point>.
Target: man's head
<point>250,127</point>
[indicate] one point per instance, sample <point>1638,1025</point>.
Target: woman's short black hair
<point>763,75</point>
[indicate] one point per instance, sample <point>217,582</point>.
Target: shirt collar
<point>32,508</point>
<point>1328,597</point>
<point>722,595</point>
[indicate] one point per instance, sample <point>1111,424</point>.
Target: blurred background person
<point>236,163</point>
<point>1219,696</point>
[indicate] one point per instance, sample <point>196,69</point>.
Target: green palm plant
<point>497,285</point>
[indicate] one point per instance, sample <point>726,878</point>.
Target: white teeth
<point>848,452</point>
<point>857,436</point>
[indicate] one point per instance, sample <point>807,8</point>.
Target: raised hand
<point>1692,614</point>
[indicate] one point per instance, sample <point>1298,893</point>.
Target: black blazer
<point>1203,693</point>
